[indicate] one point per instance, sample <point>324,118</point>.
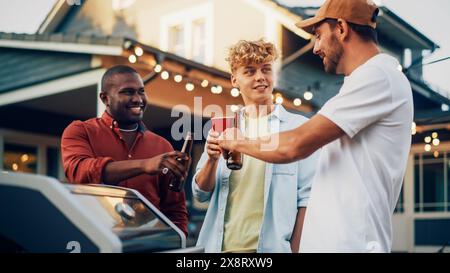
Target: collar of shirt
<point>114,124</point>
<point>278,112</point>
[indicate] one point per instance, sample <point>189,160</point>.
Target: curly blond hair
<point>251,52</point>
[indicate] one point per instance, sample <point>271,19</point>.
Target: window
<point>176,40</point>
<point>447,166</point>
<point>30,153</point>
<point>431,182</point>
<point>53,162</point>
<point>188,33</point>
<point>198,41</point>
<point>20,158</point>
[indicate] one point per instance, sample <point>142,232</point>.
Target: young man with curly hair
<point>261,207</point>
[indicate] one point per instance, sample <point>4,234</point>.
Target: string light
<point>215,89</point>
<point>413,129</point>
<point>427,147</point>
<point>158,68</point>
<point>434,135</point>
<point>436,142</point>
<point>219,89</point>
<point>132,58</point>
<point>436,154</point>
<point>165,75</point>
<point>279,99</point>
<point>235,92</point>
<point>24,158</point>
<point>190,86</point>
<point>138,51</point>
<point>427,139</point>
<point>308,95</point>
<point>15,167</point>
<point>297,102</point>
<point>178,78</point>
<point>205,83</point>
<point>400,68</point>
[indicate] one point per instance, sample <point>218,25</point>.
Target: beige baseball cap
<point>361,12</point>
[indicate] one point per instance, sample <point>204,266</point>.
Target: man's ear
<point>343,29</point>
<point>234,81</point>
<point>104,97</point>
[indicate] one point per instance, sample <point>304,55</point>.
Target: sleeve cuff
<point>199,194</point>
<point>303,203</point>
<point>100,168</point>
<point>347,130</point>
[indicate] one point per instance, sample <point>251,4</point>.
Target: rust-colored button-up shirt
<point>87,147</point>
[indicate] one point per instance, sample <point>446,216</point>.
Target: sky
<point>429,17</point>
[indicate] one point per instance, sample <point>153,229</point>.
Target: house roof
<point>56,15</point>
<point>22,67</point>
<point>105,45</point>
<point>32,59</point>
<point>389,25</point>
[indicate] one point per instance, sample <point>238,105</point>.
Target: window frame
<point>40,142</point>
<point>419,207</point>
<point>186,18</point>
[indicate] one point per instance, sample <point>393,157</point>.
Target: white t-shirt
<point>359,175</point>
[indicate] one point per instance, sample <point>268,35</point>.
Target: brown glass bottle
<point>234,159</point>
<point>178,184</point>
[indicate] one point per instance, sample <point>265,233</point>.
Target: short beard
<point>334,56</point>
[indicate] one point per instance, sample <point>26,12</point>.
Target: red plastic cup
<point>220,124</point>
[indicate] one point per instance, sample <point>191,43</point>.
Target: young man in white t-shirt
<point>365,132</point>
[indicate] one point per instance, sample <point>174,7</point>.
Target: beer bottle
<point>178,184</point>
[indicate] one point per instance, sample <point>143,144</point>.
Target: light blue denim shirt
<point>286,188</point>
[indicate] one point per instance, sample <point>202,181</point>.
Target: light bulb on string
<point>279,99</point>
<point>158,68</point>
<point>436,142</point>
<point>132,58</point>
<point>165,75</point>
<point>235,92</point>
<point>190,86</point>
<point>204,83</point>
<point>138,51</point>
<point>178,78</point>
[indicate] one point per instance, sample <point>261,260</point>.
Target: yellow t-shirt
<point>245,204</point>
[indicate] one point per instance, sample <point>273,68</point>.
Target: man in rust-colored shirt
<point>117,149</point>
